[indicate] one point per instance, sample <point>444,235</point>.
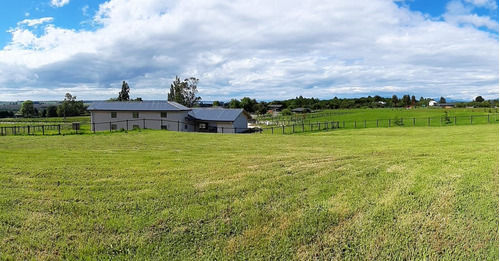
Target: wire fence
<point>309,126</point>
<point>186,126</point>
<point>296,118</point>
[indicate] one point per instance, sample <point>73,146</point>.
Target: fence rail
<point>32,129</point>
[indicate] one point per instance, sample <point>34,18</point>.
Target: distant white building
<point>433,103</point>
<point>107,116</point>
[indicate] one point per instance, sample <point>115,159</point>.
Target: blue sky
<point>265,50</point>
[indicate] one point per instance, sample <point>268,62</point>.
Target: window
<point>163,114</point>
<point>164,127</point>
<point>113,114</point>
<point>203,126</point>
<point>185,127</point>
<point>113,126</point>
<point>135,114</point>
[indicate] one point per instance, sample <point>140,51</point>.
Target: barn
<point>166,115</point>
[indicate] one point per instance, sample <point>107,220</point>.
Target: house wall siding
<point>175,120</point>
<point>241,123</point>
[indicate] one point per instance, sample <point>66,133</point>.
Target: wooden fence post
<point>43,130</point>
<point>93,126</point>
<point>429,121</point>
<point>28,130</point>
<point>377,123</point>
<point>389,122</point>
<point>471,119</point>
<point>365,123</point>
<point>109,126</point>
<point>455,120</point>
<point>413,121</point>
<point>59,129</point>
<point>283,129</point>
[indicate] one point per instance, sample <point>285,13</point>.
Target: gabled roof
<point>301,110</point>
<point>216,114</point>
<point>137,106</point>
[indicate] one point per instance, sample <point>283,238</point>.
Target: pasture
<point>372,194</point>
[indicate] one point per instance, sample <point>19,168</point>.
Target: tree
<point>234,104</point>
<point>394,100</point>
<point>27,109</point>
<point>479,99</point>
<point>51,111</point>
<point>176,89</point>
<point>406,100</point>
<point>248,104</point>
<point>70,107</point>
<point>413,100</point>
<point>442,100</point>
<point>216,104</point>
<point>191,88</point>
<point>184,92</point>
<point>123,95</point>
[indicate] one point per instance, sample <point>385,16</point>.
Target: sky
<point>267,50</point>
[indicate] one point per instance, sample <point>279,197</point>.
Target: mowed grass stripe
<point>398,193</point>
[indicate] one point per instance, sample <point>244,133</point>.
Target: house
<point>433,103</point>
<point>301,110</point>
<point>219,120</point>
<point>165,115</point>
<point>274,107</point>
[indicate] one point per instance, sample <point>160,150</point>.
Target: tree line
<point>68,107</point>
<point>261,107</point>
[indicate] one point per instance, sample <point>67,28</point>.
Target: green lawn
<point>420,114</point>
<point>372,194</point>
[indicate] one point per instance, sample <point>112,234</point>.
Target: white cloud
<point>265,50</point>
<point>483,3</point>
<point>59,3</point>
<point>35,22</point>
<point>459,14</point>
<point>85,9</point>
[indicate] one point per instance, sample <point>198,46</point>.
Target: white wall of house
<point>175,120</point>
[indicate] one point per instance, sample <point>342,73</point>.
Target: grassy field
<point>372,194</point>
<point>380,118</point>
<point>360,115</point>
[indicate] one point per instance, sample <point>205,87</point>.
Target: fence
<point>125,125</point>
<point>34,129</point>
<point>301,127</point>
<point>299,118</point>
<point>163,124</point>
<point>378,123</point>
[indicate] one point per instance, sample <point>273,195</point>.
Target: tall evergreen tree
<point>123,95</point>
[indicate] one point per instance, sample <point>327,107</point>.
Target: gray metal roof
<point>137,106</point>
<point>216,114</point>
